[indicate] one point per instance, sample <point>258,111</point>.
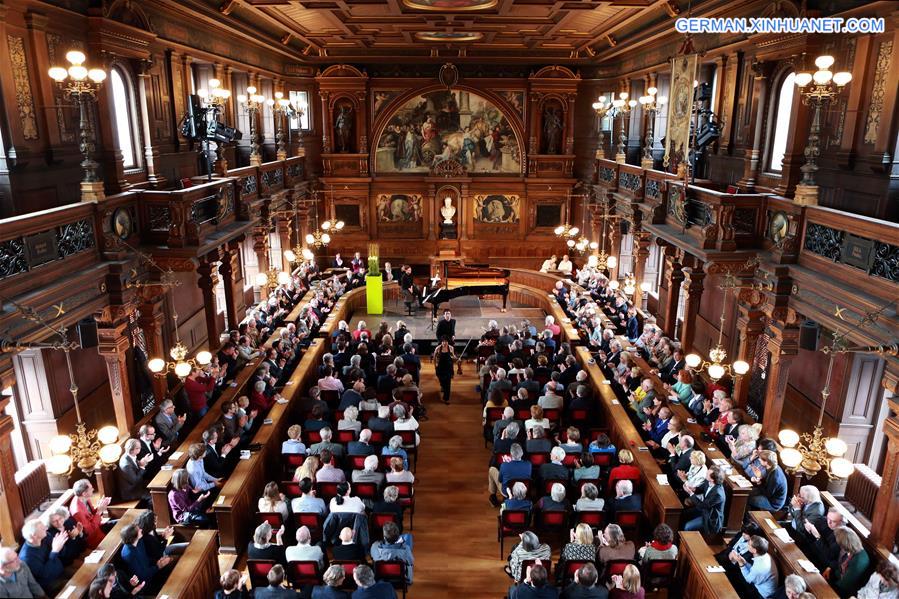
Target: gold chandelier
<point>605,261</point>
<point>718,366</point>
<point>180,364</point>
<point>271,278</point>
<point>321,235</point>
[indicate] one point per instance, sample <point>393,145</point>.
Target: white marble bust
<point>448,211</point>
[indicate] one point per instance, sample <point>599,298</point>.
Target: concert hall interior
<point>621,276</point>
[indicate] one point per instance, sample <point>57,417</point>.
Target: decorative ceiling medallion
<point>448,36</point>
<point>450,5</point>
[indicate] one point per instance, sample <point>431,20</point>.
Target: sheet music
<point>715,569</point>
<point>807,565</point>
<point>94,557</point>
<point>783,534</point>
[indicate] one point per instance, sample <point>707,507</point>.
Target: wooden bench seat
<point>696,582</point>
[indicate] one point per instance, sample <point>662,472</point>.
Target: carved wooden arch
<point>555,71</point>
<point>340,71</point>
<point>335,96</point>
<point>130,13</point>
<point>387,112</point>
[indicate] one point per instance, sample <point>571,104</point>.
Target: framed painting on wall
<point>398,208</point>
<point>497,209</point>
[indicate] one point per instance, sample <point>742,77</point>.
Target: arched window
<point>782,122</point>
<point>123,113</point>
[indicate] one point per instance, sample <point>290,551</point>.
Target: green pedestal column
<point>374,294</point>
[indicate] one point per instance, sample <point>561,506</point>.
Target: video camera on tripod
<point>201,123</point>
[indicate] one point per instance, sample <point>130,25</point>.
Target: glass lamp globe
<point>716,371</point>
<point>822,77</point>
<point>612,262</point>
<point>841,467</point>
<point>251,90</point>
<point>156,365</point>
<point>574,231</point>
<point>652,91</point>
<point>110,454</point>
<point>339,225</point>
<point>77,72</point>
<point>182,369</point>
<point>261,279</point>
<point>60,444</point>
<point>310,238</point>
<point>790,457</point>
<point>645,287</point>
<point>594,245</point>
<point>283,278</point>
<point>692,360</point>
<point>214,83</point>
<point>592,261</point>
<point>58,464</point>
<point>290,256</point>
<point>623,95</point>
<point>570,243</point>
<point>75,56</point>
<point>596,105</point>
<point>203,358</point>
<point>97,75</point>
<point>108,434</point>
<point>824,62</point>
<point>326,239</point>
<point>842,78</point>
<point>58,74</point>
<point>326,226</point>
<point>836,447</point>
<point>631,103</point>
<point>613,284</point>
<point>559,230</point>
<point>788,438</point>
<point>803,79</point>
<point>741,367</point>
<point>307,254</point>
<point>241,98</point>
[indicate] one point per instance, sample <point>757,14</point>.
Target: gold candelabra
<point>651,104</point>
<point>621,106</point>
<point>601,107</point>
<point>253,103</point>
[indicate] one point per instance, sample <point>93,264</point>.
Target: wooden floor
<point>456,553</point>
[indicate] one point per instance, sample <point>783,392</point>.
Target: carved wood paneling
<point>24,99</point>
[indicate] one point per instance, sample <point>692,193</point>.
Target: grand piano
<point>469,279</point>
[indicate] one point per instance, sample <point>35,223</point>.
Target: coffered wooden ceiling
<point>530,31</point>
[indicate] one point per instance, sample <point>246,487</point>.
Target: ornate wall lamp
<point>621,106</point>
<point>81,85</point>
<point>601,107</point>
<point>651,104</point>
<point>282,110</point>
<point>253,103</point>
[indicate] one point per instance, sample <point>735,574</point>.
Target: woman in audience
<point>308,469</point>
<point>590,501</point>
<point>234,586</point>
<point>187,508</point>
<point>293,444</point>
<point>344,502</point>
<point>536,440</point>
<point>200,480</point>
<point>555,500</point>
<point>695,476</point>
<point>58,522</point>
<point>743,445</point>
<point>536,419</point>
<point>404,422</point>
<point>661,547</point>
<point>137,560</point>
<point>675,427</point>
<point>848,576</point>
<point>155,543</point>
<point>304,550</point>
<point>390,504</point>
<point>332,579</point>
<point>350,421</point>
<point>613,545</point>
<point>682,390</point>
<point>585,468</point>
<point>273,500</point>
<point>625,470</point>
<point>395,447</point>
<point>530,547</point>
<point>261,547</point>
<point>398,473</point>
<point>627,585</point>
<point>107,585</point>
<point>883,583</point>
<point>602,444</point>
<point>519,499</point>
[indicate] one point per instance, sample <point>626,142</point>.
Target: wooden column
<point>750,324</point>
<point>641,253</point>
<point>151,322</point>
<point>114,345</point>
<point>207,283</point>
<point>261,246</point>
<point>227,268</point>
<point>693,277</point>
<point>885,523</point>
<point>756,125</point>
<point>284,228</point>
<point>12,514</point>
<point>674,276</point>
<point>783,343</point>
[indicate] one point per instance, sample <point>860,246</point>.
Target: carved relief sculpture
<point>448,211</point>
<point>24,99</point>
<point>497,209</point>
<point>552,130</point>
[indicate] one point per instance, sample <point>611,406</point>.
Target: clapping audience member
<point>528,548</point>
<point>627,585</point>
<point>187,505</point>
<point>761,572</point>
<point>261,547</point>
<point>42,559</point>
<point>234,586</point>
<point>58,522</point>
<point>138,561</point>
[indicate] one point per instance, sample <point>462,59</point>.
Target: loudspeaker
<point>87,333</point>
<point>808,335</point>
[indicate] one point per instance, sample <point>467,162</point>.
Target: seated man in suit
<point>151,445</point>
<point>806,507</point>
<point>512,468</point>
<point>625,499</point>
<point>216,460</point>
<point>274,590</point>
<point>771,492</point>
<point>368,588</point>
<point>555,470</point>
<point>584,585</point>
<point>707,513</point>
<point>535,586</point>
<point>363,445</point>
<point>825,553</point>
<point>507,419</point>
<point>167,423</point>
<point>132,484</point>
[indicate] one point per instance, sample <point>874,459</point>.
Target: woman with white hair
<point>530,548</point>
<point>395,447</point>
<point>405,422</point>
<point>555,500</point>
<point>304,550</point>
<point>261,547</point>
<point>743,445</point>
<point>350,420</point>
<point>58,522</point>
<point>361,329</point>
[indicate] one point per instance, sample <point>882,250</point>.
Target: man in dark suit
<point>215,461</point>
<point>527,382</point>
<point>274,590</point>
<point>806,507</point>
<point>367,587</point>
<point>625,500</point>
<point>554,470</point>
<point>131,474</point>
<point>680,455</point>
<point>669,369</point>
<point>412,361</point>
<point>507,419</point>
<point>771,494</point>
<point>381,422</point>
<point>535,585</point>
<point>584,585</point>
<point>353,396</point>
<point>707,513</point>
<point>824,552</point>
<point>151,446</point>
<point>362,446</point>
<point>632,327</point>
<point>446,327</point>
<point>503,443</point>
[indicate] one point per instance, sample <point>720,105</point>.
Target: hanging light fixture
<point>810,453</point>
<point>180,364</point>
<point>567,231</point>
<point>718,367</point>
<point>321,235</point>
<point>605,261</point>
<point>298,251</point>
<point>630,284</point>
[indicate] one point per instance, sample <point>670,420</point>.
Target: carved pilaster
<point>674,276</point>
<point>693,279</point>
<point>783,343</point>
<point>750,324</point>
<point>641,253</point>
<point>228,268</point>
<point>114,346</point>
<point>151,322</point>
<point>284,230</point>
<point>151,152</point>
<point>207,281</point>
<point>885,523</point>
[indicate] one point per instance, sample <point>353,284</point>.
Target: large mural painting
<point>444,125</point>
